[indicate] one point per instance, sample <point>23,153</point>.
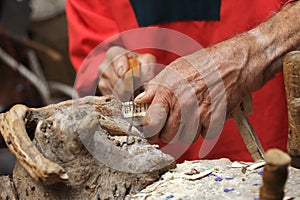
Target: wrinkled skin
<point>217,79</point>
<point>115,65</point>
<point>193,87</point>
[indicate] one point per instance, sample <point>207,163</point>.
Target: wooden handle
<point>291,71</point>
<point>133,63</point>
<point>274,175</point>
<point>132,75</point>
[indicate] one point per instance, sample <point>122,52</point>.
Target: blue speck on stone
<point>228,189</point>
<point>256,198</point>
<point>260,172</point>
<point>218,178</point>
<point>208,168</point>
<point>211,175</point>
<point>256,184</point>
<point>170,196</point>
<point>229,178</point>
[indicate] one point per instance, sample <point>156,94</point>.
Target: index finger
<point>155,119</point>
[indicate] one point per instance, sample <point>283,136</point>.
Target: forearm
<point>271,40</point>
<point>198,83</point>
<point>254,57</point>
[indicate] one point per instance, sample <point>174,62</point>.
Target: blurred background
<point>35,69</point>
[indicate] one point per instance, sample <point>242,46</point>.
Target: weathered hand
<point>195,94</point>
<point>115,65</point>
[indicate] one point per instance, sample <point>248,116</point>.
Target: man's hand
<point>195,94</point>
<point>115,65</point>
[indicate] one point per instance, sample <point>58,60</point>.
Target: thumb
<point>146,96</point>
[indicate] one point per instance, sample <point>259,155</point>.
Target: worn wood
<point>291,70</point>
<point>246,130</point>
<point>275,175</point>
<point>79,151</point>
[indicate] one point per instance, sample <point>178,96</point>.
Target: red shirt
<point>93,21</point>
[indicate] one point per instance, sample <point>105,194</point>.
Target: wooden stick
<point>40,86</point>
<point>55,55</point>
<point>274,175</point>
<point>291,70</point>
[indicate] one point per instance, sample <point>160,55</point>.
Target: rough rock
<point>7,188</point>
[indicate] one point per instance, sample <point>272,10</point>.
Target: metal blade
<point>132,96</point>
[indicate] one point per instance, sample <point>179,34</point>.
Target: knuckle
<point>166,137</point>
<point>153,140</point>
<point>101,84</point>
<point>151,124</point>
<point>112,50</point>
<point>149,57</point>
<point>101,67</point>
<point>115,51</point>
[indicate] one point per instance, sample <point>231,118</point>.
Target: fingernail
<point>141,95</point>
<point>121,71</point>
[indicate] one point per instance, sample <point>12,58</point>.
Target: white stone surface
<point>176,184</point>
